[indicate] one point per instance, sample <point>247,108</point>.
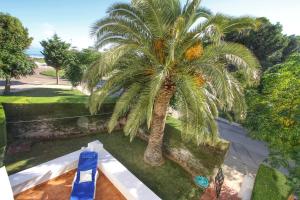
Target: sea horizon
<point>34,52</point>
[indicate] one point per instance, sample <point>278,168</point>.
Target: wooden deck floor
<point>60,189</point>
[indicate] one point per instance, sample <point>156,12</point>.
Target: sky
<point>71,19</point>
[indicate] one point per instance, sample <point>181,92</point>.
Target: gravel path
<point>36,80</point>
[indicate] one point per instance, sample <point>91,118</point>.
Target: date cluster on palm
<point>194,52</point>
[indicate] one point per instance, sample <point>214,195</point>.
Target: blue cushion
<point>83,191</point>
<point>88,160</point>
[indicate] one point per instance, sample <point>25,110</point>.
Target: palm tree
<point>160,49</point>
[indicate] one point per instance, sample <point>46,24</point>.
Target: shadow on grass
<point>2,83</point>
<point>46,92</point>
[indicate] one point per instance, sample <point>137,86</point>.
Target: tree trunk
<point>153,153</point>
<point>57,77</point>
<point>7,86</point>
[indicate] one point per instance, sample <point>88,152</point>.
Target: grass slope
<point>270,184</point>
<point>45,95</point>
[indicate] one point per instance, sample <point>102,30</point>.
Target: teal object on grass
<point>201,181</point>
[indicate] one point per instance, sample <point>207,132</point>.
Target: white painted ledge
<point>6,192</point>
<point>129,185</point>
<point>34,176</point>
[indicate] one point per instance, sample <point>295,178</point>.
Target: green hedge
<point>270,184</point>
<point>19,112</point>
<point>2,134</point>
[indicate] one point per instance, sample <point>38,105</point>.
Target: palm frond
<point>113,84</point>
<point>216,26</point>
<point>121,27</point>
<point>155,86</point>
<point>122,104</point>
<point>239,56</point>
<point>153,20</point>
<point>203,12</point>
<point>198,116</point>
<point>137,115</point>
<point>130,12</point>
<point>105,65</point>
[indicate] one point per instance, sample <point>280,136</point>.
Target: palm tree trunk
<point>153,153</point>
<point>57,77</point>
<point>7,86</point>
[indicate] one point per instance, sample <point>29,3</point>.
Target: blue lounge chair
<point>84,185</point>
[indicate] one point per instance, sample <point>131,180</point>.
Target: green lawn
<point>52,73</point>
<point>40,60</point>
<point>270,184</point>
<point>48,95</point>
<point>45,95</point>
<point>168,181</point>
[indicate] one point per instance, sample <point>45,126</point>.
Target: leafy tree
<point>292,47</point>
<point>14,39</point>
<point>281,86</point>
<point>74,72</point>
<point>82,60</point>
<point>274,114</point>
<point>158,50</point>
<point>88,56</point>
<point>56,53</point>
<point>267,42</point>
<point>278,103</point>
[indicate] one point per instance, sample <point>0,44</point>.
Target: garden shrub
<point>270,184</point>
<point>274,115</point>
<point>16,112</point>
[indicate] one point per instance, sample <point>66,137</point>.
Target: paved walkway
<point>245,154</point>
<point>36,81</point>
<point>242,160</point>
